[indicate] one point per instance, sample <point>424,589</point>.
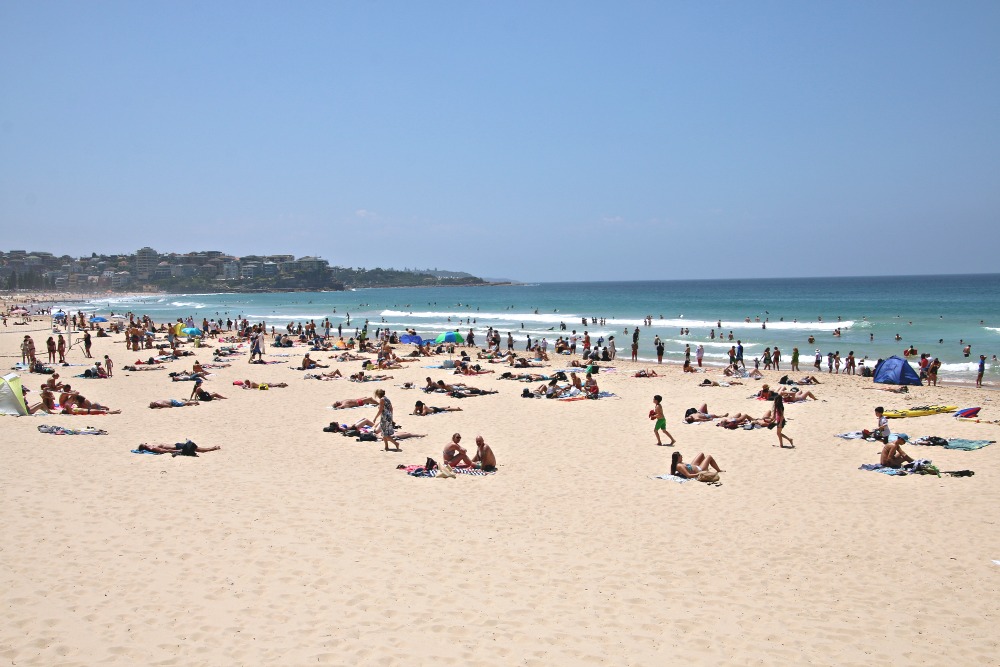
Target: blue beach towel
<point>967,445</point>
<point>876,467</point>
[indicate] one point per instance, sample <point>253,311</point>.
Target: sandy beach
<point>292,546</point>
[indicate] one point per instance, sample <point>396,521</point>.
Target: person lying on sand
<point>797,396</point>
<point>423,409</point>
<point>459,388</point>
<point>354,403</point>
<point>78,405</point>
<point>361,377</point>
<point>735,421</point>
<point>349,429</point>
<point>247,384</point>
<point>902,389</point>
<point>765,420</point>
<point>466,369</point>
<point>347,356</point>
<point>645,374</point>
<point>331,375</point>
<point>701,463</point>
<point>521,362</point>
<point>175,449</point>
<point>893,455</point>
<point>700,415</point>
<point>171,403</point>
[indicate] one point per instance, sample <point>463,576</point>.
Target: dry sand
<point>292,546</point>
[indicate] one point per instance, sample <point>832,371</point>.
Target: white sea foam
<point>963,367</point>
<point>552,318</point>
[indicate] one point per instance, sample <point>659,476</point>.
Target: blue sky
<point>530,140</point>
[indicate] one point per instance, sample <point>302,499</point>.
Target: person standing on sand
<point>661,421</point>
<point>739,351</point>
<point>612,350</point>
<point>61,348</point>
<point>795,358</point>
<point>700,354</point>
<point>384,418</point>
<point>982,369</point>
<point>659,351</point>
<point>86,345</point>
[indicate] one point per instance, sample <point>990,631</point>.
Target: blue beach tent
<point>896,370</point>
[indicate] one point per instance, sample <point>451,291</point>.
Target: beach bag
<point>367,437</point>
<point>708,476</point>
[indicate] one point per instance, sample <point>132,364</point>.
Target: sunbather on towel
<point>893,455</point>
<point>735,421</point>
<point>78,405</point>
<point>171,403</point>
<point>423,409</point>
<point>346,429</point>
<point>700,414</point>
<point>175,449</point>
<point>247,384</point>
<point>701,463</point>
<point>465,390</point>
<point>354,402</point>
<point>797,396</point>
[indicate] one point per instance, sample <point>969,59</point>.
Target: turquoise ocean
<point>922,310</point>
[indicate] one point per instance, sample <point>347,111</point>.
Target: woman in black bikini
<point>421,409</point>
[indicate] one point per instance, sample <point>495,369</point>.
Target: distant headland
<point>147,270</point>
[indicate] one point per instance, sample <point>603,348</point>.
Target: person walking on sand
<point>779,421</point>
<point>661,421</point>
<point>384,418</point>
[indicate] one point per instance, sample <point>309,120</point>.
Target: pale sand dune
<point>292,546</point>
